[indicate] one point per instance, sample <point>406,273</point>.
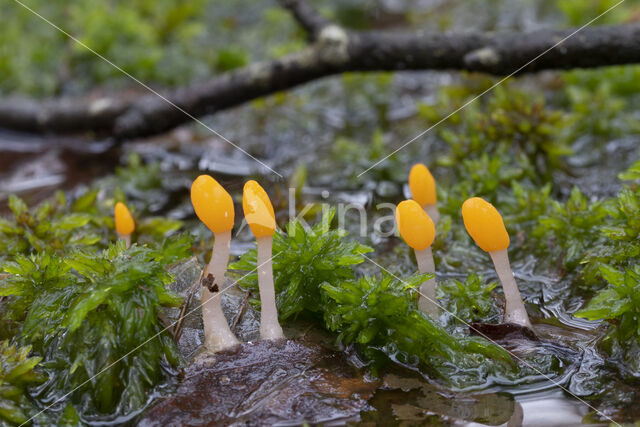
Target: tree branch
<point>307,17</point>
<point>334,51</point>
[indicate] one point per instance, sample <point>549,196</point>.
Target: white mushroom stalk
<point>214,206</point>
<point>423,190</point>
<point>260,216</point>
<point>418,231</point>
<point>484,224</point>
<point>124,222</point>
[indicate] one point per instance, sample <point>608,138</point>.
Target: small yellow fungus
<point>258,210</point>
<point>124,222</point>
<point>423,190</point>
<point>422,185</point>
<point>484,224</point>
<point>212,203</point>
<point>418,230</point>
<point>259,214</point>
<point>414,225</point>
<point>214,206</point>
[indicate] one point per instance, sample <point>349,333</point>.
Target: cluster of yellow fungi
<point>416,220</point>
<point>214,207</point>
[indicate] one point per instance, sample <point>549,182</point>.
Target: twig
<point>307,17</point>
<point>177,330</point>
<point>163,318</point>
<point>2,277</point>
<point>334,50</point>
<point>241,310</point>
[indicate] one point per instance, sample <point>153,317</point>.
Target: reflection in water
<point>41,171</point>
<point>551,409</point>
<point>547,409</point>
<point>34,167</point>
<point>517,417</point>
<point>411,400</point>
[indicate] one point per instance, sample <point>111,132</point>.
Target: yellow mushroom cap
<point>258,210</point>
<point>124,220</point>
<point>422,185</point>
<point>484,224</point>
<point>415,226</point>
<point>212,203</point>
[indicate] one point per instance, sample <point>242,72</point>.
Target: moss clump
<point>313,273</point>
<point>619,304</point>
<point>54,226</point>
<point>18,372</point>
<point>567,232</point>
<point>93,318</point>
<point>470,300</point>
<point>303,260</point>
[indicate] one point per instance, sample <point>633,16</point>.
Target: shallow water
<point>283,382</point>
<point>49,166</point>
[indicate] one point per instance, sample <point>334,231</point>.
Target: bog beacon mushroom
<point>124,222</point>
<point>214,207</point>
<point>260,216</point>
<point>484,223</point>
<point>418,231</point>
<point>423,190</point>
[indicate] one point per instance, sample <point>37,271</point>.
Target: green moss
<point>230,58</point>
<point>524,205</point>
<point>313,274</point>
<point>568,231</point>
<point>54,226</point>
<point>603,100</point>
<point>18,372</point>
<point>618,245</point>
<point>303,260</point>
<point>93,317</point>
<point>379,314</point>
<point>489,177</point>
<point>580,12</point>
<point>151,40</point>
<point>60,226</point>
<point>514,125</point>
<point>471,300</point>
<point>586,235</point>
<point>619,304</point>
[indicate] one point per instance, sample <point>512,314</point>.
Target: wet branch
<point>333,50</point>
<point>307,17</point>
